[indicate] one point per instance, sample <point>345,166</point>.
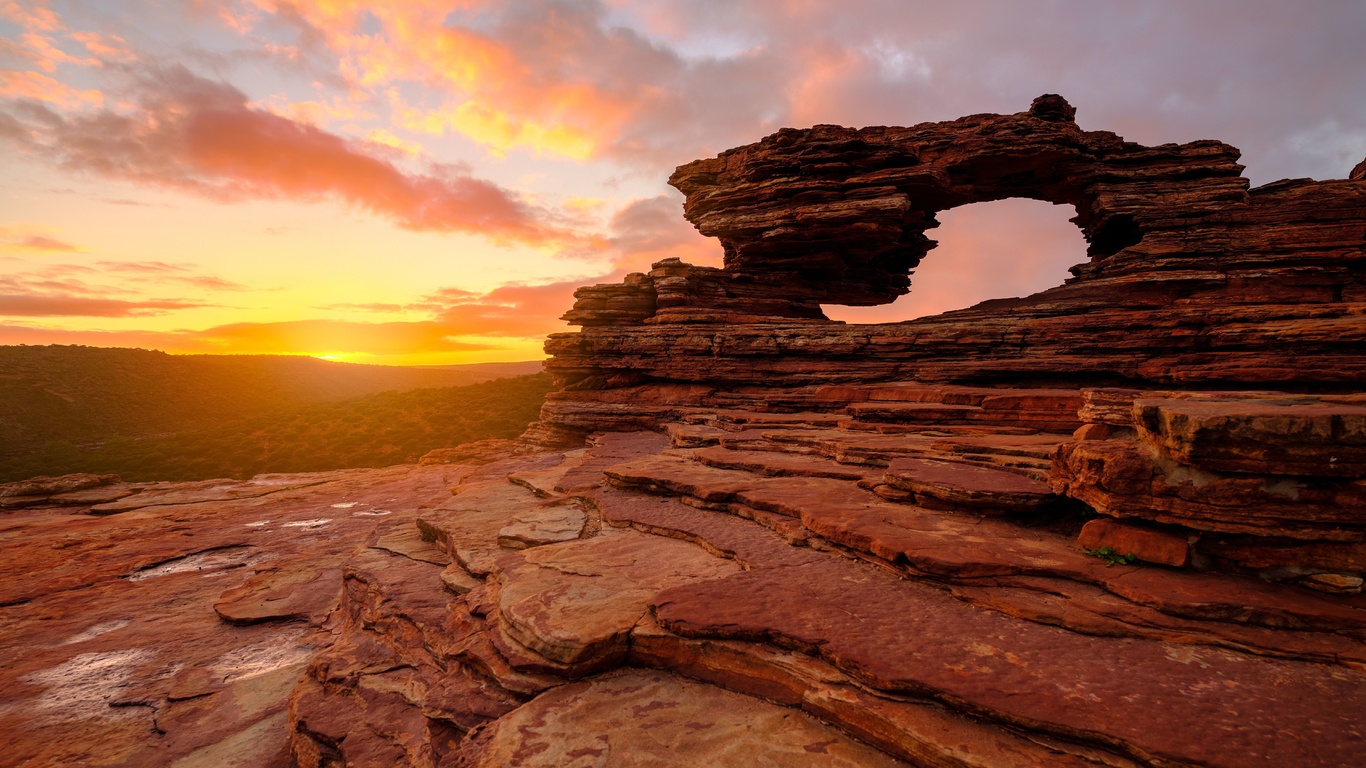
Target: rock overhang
<point>849,207</point>
<point>1193,278</point>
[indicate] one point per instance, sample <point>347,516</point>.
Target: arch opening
<point>993,250</point>
<point>1116,234</point>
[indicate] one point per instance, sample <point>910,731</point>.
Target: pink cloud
<point>198,136</point>
<point>652,229</point>
<point>106,47</point>
<point>15,84</point>
<point>44,243</point>
<point>58,305</point>
<point>32,15</point>
<point>160,271</point>
<point>521,311</point>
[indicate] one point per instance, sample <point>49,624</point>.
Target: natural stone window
<point>1001,249</point>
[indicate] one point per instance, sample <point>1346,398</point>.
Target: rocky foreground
<point>1121,522</point>
<point>745,589</point>
<point>165,624</point>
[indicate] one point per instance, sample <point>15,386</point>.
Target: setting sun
<point>720,383</point>
<point>405,183</point>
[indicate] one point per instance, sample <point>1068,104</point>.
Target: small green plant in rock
<point>1110,556</point>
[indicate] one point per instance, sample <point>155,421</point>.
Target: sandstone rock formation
<point>1117,523</point>
<point>170,631</point>
<point>1193,280</point>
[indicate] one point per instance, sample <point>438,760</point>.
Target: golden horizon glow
<point>425,182</point>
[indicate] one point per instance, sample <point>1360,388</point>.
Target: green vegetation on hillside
<point>80,395</point>
<point>372,431</point>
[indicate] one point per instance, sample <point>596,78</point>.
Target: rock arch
<point>1192,277</point>
<point>843,211</point>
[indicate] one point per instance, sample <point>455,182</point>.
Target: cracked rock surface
<point>1118,523</point>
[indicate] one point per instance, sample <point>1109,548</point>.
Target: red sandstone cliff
<point>1117,523</point>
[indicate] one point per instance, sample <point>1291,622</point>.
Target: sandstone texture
<point>757,601</point>
<point>1194,278</point>
<point>171,631</point>
<point>1118,523</point>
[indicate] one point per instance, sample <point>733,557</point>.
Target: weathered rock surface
<point>1259,480</point>
<point>958,485</point>
<point>651,718</point>
<point>1193,277</point>
<point>765,608</point>
<point>53,486</point>
<point>172,634</point>
<point>1030,533</point>
<point>782,580</point>
<point>1014,671</point>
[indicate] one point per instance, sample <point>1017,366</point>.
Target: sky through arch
<point>992,250</point>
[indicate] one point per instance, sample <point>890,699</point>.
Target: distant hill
<point>372,431</point>
<point>81,396</point>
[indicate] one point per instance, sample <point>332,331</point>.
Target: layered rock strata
<point>1266,481</point>
<point>1195,283</point>
<point>1082,528</point>
<point>1194,279</point>
<point>741,595</point>
<point>161,624</point>
<point>743,589</point>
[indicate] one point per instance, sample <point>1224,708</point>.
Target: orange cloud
<point>29,237</point>
<point>54,305</point>
<point>61,290</point>
<point>507,317</point>
<point>162,272</point>
<point>333,336</point>
<point>319,113</point>
<point>44,52</point>
<point>378,307</point>
<point>386,139</point>
<point>199,136</point>
<point>33,15</point>
<point>106,47</point>
<point>509,311</point>
<point>16,84</point>
<point>555,79</point>
<point>41,243</point>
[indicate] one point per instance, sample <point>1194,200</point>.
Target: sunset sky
<point>427,181</point>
